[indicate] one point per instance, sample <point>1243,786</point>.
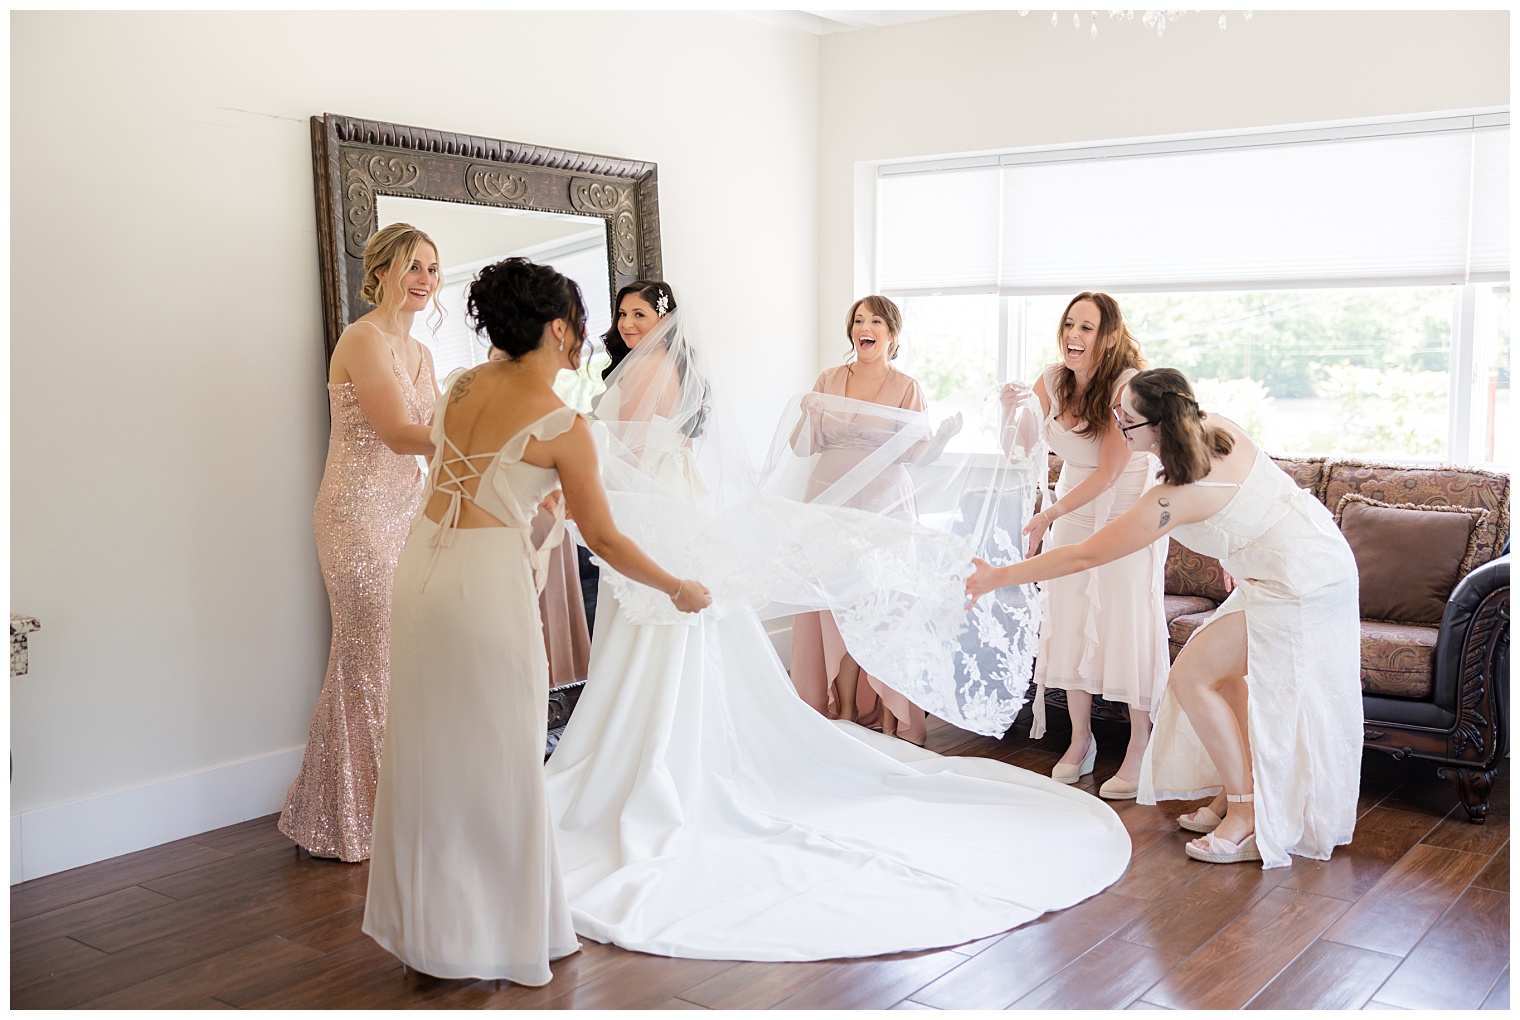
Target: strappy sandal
<point>1203,820</point>
<point>1216,850</point>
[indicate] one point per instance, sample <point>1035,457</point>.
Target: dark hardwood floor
<point>1414,914</point>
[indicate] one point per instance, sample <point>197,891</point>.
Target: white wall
<point>996,80</point>
<point>168,417</point>
<point>169,422</point>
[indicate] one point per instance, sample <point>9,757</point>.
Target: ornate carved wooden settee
<point>1438,689</point>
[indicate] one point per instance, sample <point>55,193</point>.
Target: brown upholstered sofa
<point>1437,691</point>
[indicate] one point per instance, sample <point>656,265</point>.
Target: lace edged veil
<point>859,509</point>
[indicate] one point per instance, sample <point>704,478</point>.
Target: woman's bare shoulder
<point>362,345</point>
<point>1240,435</point>
<point>362,331</point>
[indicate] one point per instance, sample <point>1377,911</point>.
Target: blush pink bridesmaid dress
<point>817,647</point>
<point>365,505</point>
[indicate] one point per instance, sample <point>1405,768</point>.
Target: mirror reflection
<point>472,236</point>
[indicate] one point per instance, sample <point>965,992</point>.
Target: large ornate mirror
<point>594,218</point>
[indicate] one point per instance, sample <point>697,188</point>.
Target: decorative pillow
<point>1409,556</point>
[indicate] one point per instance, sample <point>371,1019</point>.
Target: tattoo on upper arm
<point>462,386</point>
<point>1166,515</point>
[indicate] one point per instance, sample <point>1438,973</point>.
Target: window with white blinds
<point>1407,204</point>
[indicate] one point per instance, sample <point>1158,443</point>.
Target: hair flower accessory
<point>662,305</point>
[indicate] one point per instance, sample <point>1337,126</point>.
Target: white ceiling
<point>828,22</point>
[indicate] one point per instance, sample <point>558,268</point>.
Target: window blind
<point>1393,204</point>
<point>939,230</point>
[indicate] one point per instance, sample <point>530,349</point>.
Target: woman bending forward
<point>1263,706</point>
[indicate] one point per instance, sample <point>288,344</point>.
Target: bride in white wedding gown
<point>703,810</point>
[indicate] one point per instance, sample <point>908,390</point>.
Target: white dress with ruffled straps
<point>464,877</point>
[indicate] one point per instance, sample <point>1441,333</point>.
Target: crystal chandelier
<point>1150,19</point>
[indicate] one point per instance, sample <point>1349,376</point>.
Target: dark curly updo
<point>651,291</point>
<point>511,301</point>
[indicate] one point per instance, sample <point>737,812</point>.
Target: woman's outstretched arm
<point>574,454</point>
<point>1155,514</point>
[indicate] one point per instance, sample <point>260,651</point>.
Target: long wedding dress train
<point>701,809</point>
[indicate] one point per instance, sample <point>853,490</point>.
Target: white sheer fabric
<point>703,810</point>
<point>931,511</point>
<point>858,510</point>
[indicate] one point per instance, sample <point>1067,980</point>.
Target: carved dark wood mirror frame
<point>356,160</point>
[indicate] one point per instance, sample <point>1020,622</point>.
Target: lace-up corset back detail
<point>506,487</point>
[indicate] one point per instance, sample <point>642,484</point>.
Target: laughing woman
<point>823,670</point>
<point>1266,697</point>
<point>1104,630</point>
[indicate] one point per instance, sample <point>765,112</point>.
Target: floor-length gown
<point>464,880</point>
<point>818,649</point>
<point>1296,583</point>
<point>368,497</point>
<point>703,810</point>
<point>1102,630</point>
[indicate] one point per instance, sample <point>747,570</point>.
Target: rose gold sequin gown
<point>368,498</point>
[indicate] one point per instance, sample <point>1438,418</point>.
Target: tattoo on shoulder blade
<point>462,386</point>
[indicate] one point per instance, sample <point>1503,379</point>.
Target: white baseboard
<point>16,869</point>
<point>52,839</point>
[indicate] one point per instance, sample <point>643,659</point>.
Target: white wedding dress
<point>702,810</point>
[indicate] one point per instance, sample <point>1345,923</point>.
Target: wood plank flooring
<point>1414,914</point>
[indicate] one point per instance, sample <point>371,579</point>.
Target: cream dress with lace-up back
<point>464,879</point>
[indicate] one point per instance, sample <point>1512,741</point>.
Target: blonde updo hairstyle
<point>1186,443</point>
<point>876,305</point>
<point>1118,352</point>
<point>387,255</point>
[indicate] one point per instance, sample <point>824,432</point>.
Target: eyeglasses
<point>1127,429</point>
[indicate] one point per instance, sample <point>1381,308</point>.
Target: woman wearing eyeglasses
<point>1266,696</point>
<point>1104,630</point>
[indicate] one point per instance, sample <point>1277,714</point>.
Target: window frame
<point>1473,323</point>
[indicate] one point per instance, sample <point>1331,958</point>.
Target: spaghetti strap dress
<point>1296,583</point>
<point>366,502</point>
<point>464,878</point>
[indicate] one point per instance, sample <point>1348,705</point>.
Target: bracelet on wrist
<point>677,593</point>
